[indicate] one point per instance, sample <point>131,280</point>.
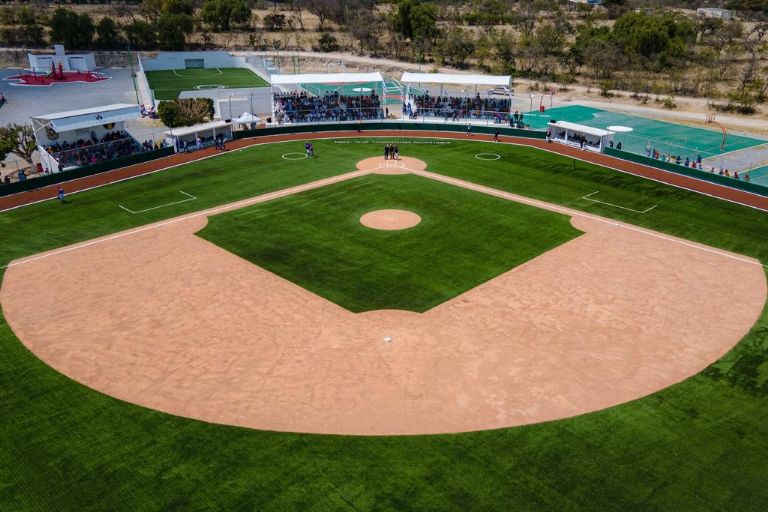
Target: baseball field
<point>476,327</point>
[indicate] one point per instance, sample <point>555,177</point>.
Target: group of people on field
<point>391,152</point>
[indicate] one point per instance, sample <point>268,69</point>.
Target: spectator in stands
<point>300,107</point>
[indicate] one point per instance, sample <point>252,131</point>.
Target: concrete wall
<point>175,60</point>
<point>242,99</point>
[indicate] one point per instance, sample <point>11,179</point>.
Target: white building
<point>713,12</point>
<point>68,62</point>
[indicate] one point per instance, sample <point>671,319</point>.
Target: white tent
<point>454,79</point>
<point>326,78</point>
<point>87,117</point>
<point>572,134</point>
<point>247,118</point>
<point>336,79</point>
<point>443,79</point>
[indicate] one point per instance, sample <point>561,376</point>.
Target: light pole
<point>230,107</point>
<point>133,77</point>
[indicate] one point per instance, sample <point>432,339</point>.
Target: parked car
<point>501,90</point>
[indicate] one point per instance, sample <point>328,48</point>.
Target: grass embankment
<point>698,445</point>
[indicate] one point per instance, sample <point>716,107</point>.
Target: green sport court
<point>663,136</point>
<point>168,84</point>
<point>696,445</point>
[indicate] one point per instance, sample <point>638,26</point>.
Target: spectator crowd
<point>301,107</point>
<point>112,145</point>
<point>457,107</point>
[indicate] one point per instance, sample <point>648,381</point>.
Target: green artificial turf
<point>168,84</point>
<point>698,445</point>
<point>315,239</point>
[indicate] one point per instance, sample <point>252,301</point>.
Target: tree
<point>19,140</point>
<point>416,20</point>
<point>456,46</point>
<point>108,36</point>
<point>185,112</point>
<point>151,9</point>
<point>327,43</point>
<point>141,35</point>
<point>323,9</point>
<point>71,29</point>
<point>365,27</point>
<point>178,7</point>
<point>222,14</point>
<point>172,30</point>
<point>274,22</point>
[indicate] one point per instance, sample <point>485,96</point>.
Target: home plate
<point>387,339</point>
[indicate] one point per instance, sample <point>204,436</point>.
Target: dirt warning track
<point>677,180</point>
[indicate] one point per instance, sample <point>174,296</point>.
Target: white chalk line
<point>211,211</point>
<point>190,197</point>
<point>588,197</point>
<point>427,174</point>
<point>333,135</point>
<point>220,72</point>
<point>574,213</point>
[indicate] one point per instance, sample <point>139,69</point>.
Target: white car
<point>501,90</point>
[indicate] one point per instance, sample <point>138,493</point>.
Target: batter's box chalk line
<point>589,197</point>
<point>395,163</point>
<point>294,156</point>
<point>487,156</point>
<point>190,197</point>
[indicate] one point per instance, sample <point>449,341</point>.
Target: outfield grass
<point>168,84</point>
<point>698,445</point>
<point>315,239</point>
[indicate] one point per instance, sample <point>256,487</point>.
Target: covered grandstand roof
<point>87,117</point>
<point>456,79</point>
<point>326,78</point>
<point>581,128</point>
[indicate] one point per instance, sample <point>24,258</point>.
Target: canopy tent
<point>247,118</point>
<point>326,78</point>
<point>87,117</point>
<point>455,79</point>
<point>443,79</point>
<point>332,84</point>
<point>206,132</point>
<point>88,124</point>
<point>579,135</point>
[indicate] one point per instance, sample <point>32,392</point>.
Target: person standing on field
<point>386,151</point>
<point>396,152</point>
<point>60,194</point>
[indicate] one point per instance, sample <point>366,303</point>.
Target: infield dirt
<point>162,318</point>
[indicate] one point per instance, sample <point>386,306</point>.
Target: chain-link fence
<point>737,163</point>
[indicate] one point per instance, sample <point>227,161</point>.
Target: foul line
<point>211,211</point>
<point>574,213</point>
<point>588,198</point>
<point>190,197</point>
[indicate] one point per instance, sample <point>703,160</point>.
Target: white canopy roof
<point>191,130</point>
<point>247,117</point>
<point>458,79</point>
<point>87,117</point>
<point>326,78</point>
<point>581,128</point>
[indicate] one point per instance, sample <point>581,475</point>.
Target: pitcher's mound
<point>390,220</point>
<point>403,165</point>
